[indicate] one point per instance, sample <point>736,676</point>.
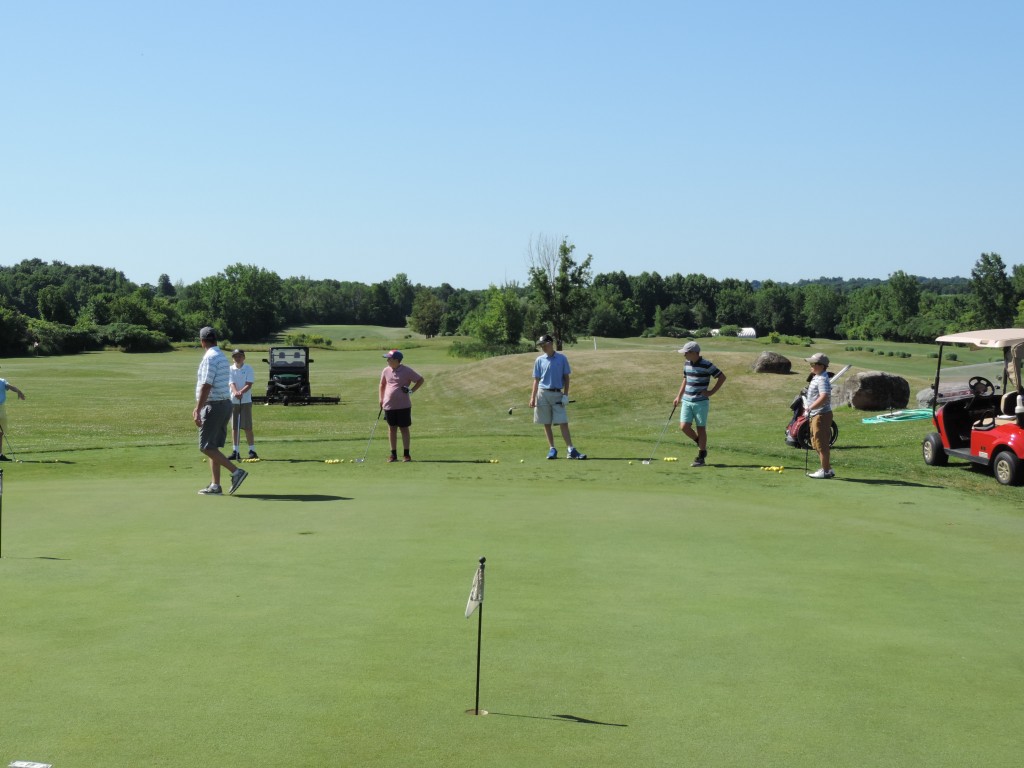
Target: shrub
<point>951,356</point>
<point>133,338</point>
<point>307,340</point>
<point>478,350</point>
<point>60,339</point>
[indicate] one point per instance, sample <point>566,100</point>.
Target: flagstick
<point>479,637</point>
<point>1,513</point>
<point>476,603</point>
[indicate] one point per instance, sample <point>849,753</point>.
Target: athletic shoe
<point>252,455</point>
<point>831,474</point>
<point>574,454</point>
<point>237,478</point>
<point>552,453</point>
<point>407,458</point>
<point>392,459</point>
<point>234,456</point>
<point>698,462</point>
<point>3,458</point>
<point>210,490</point>
<point>821,474</point>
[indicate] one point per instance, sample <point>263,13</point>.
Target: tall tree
<point>560,288</point>
<point>427,313</point>
<point>993,293</point>
<point>773,308</point>
<point>499,320</point>
<point>822,309</point>
<point>402,294</point>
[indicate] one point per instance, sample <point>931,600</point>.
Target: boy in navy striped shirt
<point>694,394</point>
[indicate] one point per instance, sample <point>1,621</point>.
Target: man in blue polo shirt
<point>694,394</point>
<point>550,395</point>
<point>5,385</point>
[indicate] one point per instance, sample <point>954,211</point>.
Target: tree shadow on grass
<point>450,461</point>
<point>879,481</point>
<point>561,719</point>
<point>292,497</point>
<point>286,461</point>
<point>38,461</point>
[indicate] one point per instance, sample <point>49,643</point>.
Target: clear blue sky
<point>756,140</point>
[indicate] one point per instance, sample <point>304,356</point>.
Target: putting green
<point>634,614</point>
<point>318,614</point>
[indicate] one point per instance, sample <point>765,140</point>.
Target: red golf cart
<point>978,410</point>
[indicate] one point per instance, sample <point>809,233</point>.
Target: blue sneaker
<point>552,453</point>
<point>574,454</point>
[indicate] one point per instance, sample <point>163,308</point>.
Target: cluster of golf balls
<point>249,461</point>
<point>332,461</point>
<point>772,469</point>
<point>670,458</point>
<point>492,461</point>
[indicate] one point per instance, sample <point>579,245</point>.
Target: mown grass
<point>718,617</point>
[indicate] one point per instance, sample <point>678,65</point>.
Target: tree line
<point>56,308</point>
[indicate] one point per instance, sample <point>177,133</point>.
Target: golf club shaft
<point>663,430</point>
<point>372,430</point>
<point>515,407</point>
<point>10,447</point>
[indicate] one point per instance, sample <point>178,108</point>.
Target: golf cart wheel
<point>1006,468</point>
<point>933,452</point>
<point>804,435</point>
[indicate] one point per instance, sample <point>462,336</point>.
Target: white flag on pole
<point>476,592</point>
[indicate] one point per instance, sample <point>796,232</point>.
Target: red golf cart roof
<point>993,338</point>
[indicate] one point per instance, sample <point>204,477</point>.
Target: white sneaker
<point>821,474</point>
<point>210,490</point>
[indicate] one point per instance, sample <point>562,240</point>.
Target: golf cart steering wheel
<point>981,387</point>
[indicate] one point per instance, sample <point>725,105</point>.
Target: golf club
<point>367,451</point>
<point>237,426</point>
<point>525,406</point>
<point>667,422</point>
<point>10,448</point>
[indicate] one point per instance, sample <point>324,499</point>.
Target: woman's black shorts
<point>400,417</point>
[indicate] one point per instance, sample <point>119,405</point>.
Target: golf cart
<point>978,410</point>
<point>289,378</point>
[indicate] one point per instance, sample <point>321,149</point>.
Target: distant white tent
<point>742,333</point>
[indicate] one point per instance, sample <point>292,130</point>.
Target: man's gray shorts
<point>550,409</point>
<point>215,418</point>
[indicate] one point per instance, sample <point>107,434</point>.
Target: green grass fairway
<point>635,614</point>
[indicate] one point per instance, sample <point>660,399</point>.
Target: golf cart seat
<point>1008,406</point>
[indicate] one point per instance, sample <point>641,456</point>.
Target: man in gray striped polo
<point>213,411</point>
<point>694,394</point>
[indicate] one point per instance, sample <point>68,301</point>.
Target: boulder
<point>875,391</point>
<point>772,362</point>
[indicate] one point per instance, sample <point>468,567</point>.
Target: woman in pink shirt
<point>397,382</point>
